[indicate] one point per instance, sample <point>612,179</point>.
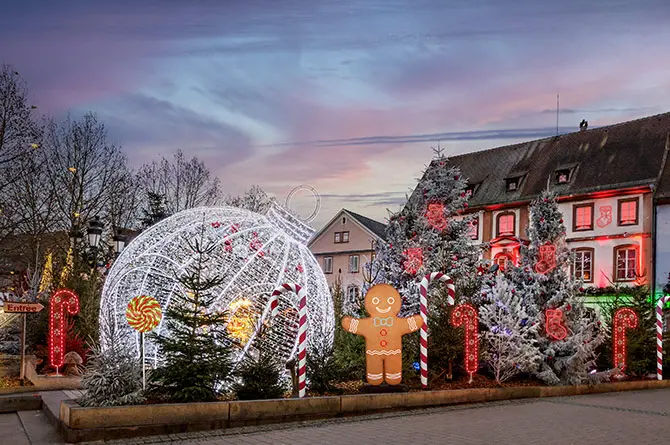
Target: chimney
<point>583,125</point>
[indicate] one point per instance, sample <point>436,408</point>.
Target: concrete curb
<point>78,424</point>
<point>20,402</point>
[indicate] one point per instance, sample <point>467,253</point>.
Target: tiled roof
<point>375,227</point>
<point>627,154</point>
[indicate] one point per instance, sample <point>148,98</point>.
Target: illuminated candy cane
<point>466,315</point>
<point>62,301</point>
<point>624,318</point>
<point>273,304</point>
<point>423,301</point>
<point>659,336</point>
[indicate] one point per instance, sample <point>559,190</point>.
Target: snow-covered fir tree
<point>429,234</point>
<point>568,360</point>
<point>511,336</point>
<point>113,375</point>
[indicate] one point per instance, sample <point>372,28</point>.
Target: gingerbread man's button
<point>383,332</point>
<point>383,343</point>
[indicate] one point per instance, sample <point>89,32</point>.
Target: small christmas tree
<point>348,350</point>
<point>259,375</point>
<point>195,347</point>
<point>155,211</point>
<point>113,376</point>
<point>511,335</point>
<point>543,283</point>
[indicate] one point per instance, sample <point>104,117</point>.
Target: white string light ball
<point>254,253</point>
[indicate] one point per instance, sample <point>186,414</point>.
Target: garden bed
<point>87,424</point>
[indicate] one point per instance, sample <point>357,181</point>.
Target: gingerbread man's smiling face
<point>382,300</point>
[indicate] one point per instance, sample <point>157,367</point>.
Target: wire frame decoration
<point>254,254</point>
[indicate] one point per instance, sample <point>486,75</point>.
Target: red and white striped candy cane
<point>302,327</point>
<point>423,301</point>
<point>659,336</point>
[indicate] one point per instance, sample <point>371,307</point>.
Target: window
<point>626,258</point>
<point>582,268</point>
<point>506,223</point>
<point>562,176</point>
<point>512,184</point>
<point>471,189</point>
<point>328,264</point>
<point>474,228</point>
<point>353,292</point>
<point>628,212</point>
<point>582,217</point>
<point>353,263</point>
<point>341,237</point>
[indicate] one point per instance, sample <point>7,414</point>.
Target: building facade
<point>343,247</point>
<point>606,179</point>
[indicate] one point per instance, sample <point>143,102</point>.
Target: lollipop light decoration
<point>143,314</point>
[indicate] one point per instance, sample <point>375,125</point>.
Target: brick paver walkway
<point>626,418</point>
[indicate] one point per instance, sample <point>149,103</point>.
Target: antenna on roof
<point>557,102</point>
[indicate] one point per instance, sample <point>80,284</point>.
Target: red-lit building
<point>606,179</point>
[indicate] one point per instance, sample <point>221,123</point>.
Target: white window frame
<point>354,260</point>
<point>328,261</point>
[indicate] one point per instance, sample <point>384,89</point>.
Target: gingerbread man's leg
<point>393,369</point>
<point>375,369</point>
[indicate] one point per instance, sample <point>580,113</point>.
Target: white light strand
<point>150,263</point>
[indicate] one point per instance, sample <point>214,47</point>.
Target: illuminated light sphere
<point>254,253</point>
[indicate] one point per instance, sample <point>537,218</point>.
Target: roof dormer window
<point>562,176</point>
<point>512,184</point>
<point>471,189</point>
<point>564,173</point>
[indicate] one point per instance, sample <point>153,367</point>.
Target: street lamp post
<point>119,241</point>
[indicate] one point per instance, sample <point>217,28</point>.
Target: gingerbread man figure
<point>383,332</point>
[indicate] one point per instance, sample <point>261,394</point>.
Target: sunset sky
<point>347,96</point>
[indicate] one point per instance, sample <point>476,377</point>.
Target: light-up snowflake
<point>254,253</point>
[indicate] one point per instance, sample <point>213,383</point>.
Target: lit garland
<point>46,281</point>
<point>554,327</point>
<point>253,254</point>
<point>624,318</point>
<point>61,302</point>
<point>466,315</point>
<point>67,269</point>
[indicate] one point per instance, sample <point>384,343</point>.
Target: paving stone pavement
<point>641,417</point>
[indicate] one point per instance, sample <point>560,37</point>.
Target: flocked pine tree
<point>113,375</point>
<point>431,234</point>
<point>510,337</point>
<point>195,347</point>
<point>569,358</point>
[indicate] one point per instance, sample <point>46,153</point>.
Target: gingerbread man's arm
<point>358,326</point>
<point>410,324</point>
